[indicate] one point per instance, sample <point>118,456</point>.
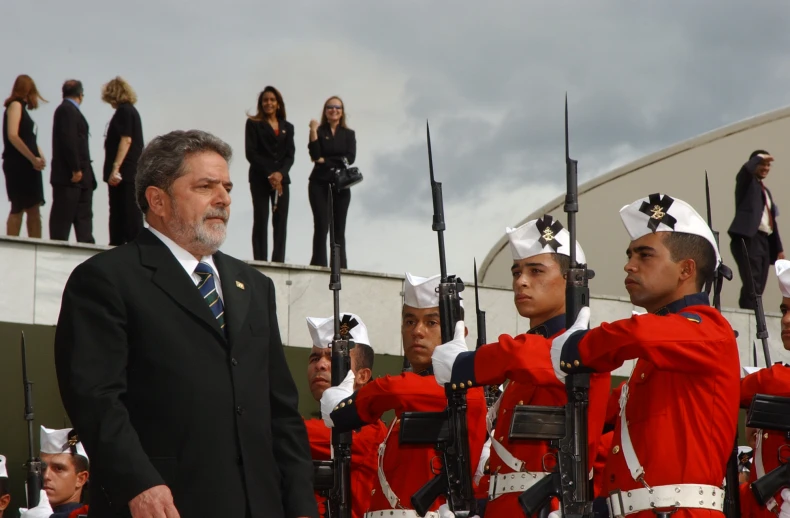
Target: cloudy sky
<point>491,80</point>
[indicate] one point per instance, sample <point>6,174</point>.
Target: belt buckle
<point>615,504</point>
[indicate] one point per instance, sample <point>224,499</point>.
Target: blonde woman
<point>23,160</point>
<point>123,145</point>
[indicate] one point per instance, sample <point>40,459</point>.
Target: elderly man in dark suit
<point>755,223</point>
<point>72,176</point>
<point>170,363</point>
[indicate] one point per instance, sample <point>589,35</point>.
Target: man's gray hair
<point>162,160</point>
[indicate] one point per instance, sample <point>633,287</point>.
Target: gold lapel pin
<point>240,285</point>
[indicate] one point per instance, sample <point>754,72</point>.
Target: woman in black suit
<point>23,160</point>
<point>270,151</point>
<point>332,145</point>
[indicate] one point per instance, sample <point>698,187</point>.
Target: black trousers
<point>126,220</point>
<point>318,193</point>
<point>262,195</point>
<point>759,262</point>
<point>71,205</point>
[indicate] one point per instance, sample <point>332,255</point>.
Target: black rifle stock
<point>571,482</point>
<point>339,497</point>
<point>456,471</point>
<point>34,466</point>
<point>771,413</point>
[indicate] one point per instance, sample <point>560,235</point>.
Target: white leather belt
<point>513,483</point>
<point>689,496</point>
<point>400,513</point>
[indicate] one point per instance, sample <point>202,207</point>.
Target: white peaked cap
<point>422,292</point>
<point>58,441</point>
<point>542,236</point>
<point>3,469</point>
<point>783,274</point>
<point>322,330</point>
<point>662,213</point>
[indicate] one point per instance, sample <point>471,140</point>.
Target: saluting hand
<point>156,502</point>
<point>582,323</point>
<point>42,510</point>
<point>334,395</point>
<point>445,355</point>
<point>313,125</point>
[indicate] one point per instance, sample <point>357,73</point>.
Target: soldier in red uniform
<point>403,470</point>
<point>540,250</point>
<point>772,447</point>
<point>366,439</point>
<point>679,410</point>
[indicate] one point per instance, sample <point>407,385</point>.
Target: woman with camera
<point>269,145</point>
<point>23,160</point>
<point>333,146</point>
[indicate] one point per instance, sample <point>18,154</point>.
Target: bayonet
<point>34,466</point>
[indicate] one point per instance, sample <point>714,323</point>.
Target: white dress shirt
<point>189,262</point>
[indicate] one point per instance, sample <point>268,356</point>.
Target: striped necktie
<point>208,289</point>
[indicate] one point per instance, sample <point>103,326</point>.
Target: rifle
<point>339,498</point>
<point>35,467</point>
<point>566,427</point>
<point>455,478</point>
<point>732,505</point>
<point>771,413</point>
<point>491,393</point>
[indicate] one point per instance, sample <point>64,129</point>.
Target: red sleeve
<point>689,342</point>
<point>525,358</point>
<point>774,381</point>
<point>406,392</point>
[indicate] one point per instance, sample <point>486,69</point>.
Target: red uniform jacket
<point>535,385</point>
<point>684,394</point>
<point>409,467</point>
<point>776,382</point>
<point>364,455</point>
<point>605,443</point>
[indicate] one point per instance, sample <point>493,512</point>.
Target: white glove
<point>784,511</point>
<point>481,466</point>
<point>555,514</point>
<point>444,356</point>
<point>582,323</point>
<point>42,510</point>
<point>445,512</point>
<point>334,395</point>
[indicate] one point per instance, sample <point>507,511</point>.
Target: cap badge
<point>657,211</point>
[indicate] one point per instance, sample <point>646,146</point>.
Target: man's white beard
<point>201,238</point>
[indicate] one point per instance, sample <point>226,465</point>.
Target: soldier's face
<point>785,309</point>
<point>421,332</point>
<point>319,370</point>
<point>61,481</point>
<point>538,288</point>
<point>652,279</point>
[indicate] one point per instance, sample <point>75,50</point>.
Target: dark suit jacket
<point>333,149</point>
<point>749,206</point>
<point>269,153</point>
<point>70,150</point>
<point>158,395</point>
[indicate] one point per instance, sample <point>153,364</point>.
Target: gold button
<point>502,438</point>
<point>469,383</point>
<point>765,436</point>
<point>453,385</point>
<point>575,363</point>
<point>350,401</point>
<point>342,404</point>
<point>335,408</point>
<point>616,449</point>
<point>642,375</point>
<point>562,364</point>
<point>504,410</point>
<point>521,402</point>
<point>463,386</point>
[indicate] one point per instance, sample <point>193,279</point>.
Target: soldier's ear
<point>82,478</point>
<point>5,500</point>
<point>688,269</point>
<point>363,376</point>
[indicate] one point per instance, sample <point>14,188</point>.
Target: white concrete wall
<point>35,272</point>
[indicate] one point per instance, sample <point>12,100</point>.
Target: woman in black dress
<point>332,145</point>
<point>123,145</point>
<point>269,145</point>
<point>23,160</point>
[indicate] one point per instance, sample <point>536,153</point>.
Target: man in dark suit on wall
<point>170,363</point>
<point>72,176</point>
<point>755,223</point>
